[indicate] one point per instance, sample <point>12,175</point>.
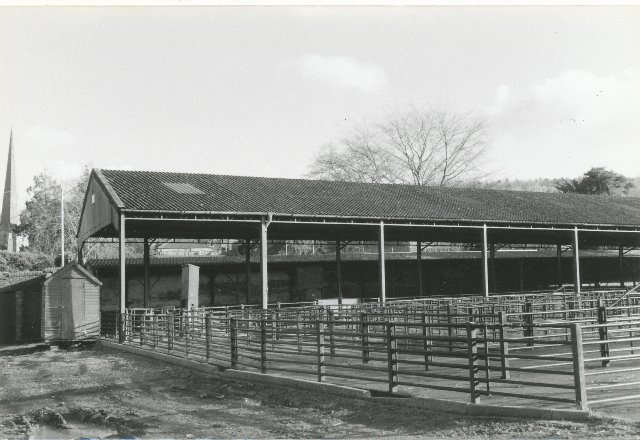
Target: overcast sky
<point>256,91</point>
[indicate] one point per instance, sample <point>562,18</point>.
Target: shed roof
<point>23,284</point>
<point>198,193</point>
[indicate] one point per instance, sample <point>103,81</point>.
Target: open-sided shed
<point>148,205</point>
<point>63,306</point>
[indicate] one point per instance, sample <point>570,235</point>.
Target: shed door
<point>73,311</point>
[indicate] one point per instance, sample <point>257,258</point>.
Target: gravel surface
<point>93,391</point>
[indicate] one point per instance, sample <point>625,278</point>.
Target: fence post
<point>392,356</point>
<point>426,333</point>
<point>528,321</point>
<point>472,350</point>
<point>263,343</point>
<point>143,325</point>
<point>321,366</point>
<point>186,332</point>
<point>578,367</point>
<point>332,344</point>
<point>274,325</point>
<point>156,332</point>
<point>487,359</point>
<point>299,328</point>
<point>449,328</point>
<point>364,327</point>
<point>603,332</point>
<point>120,326</point>
<point>207,333</point>
<point>504,346</point>
<point>233,336</point>
<point>629,315</point>
<point>170,326</point>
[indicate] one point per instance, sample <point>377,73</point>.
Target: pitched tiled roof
<point>157,191</point>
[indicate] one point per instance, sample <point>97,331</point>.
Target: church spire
<point>8,217</point>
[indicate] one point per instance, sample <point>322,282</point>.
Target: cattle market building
<point>143,206</point>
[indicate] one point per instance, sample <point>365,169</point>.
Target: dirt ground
<point>96,392</point>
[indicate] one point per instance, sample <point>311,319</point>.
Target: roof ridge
<point>460,187</point>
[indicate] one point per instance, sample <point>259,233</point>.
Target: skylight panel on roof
<point>182,188</point>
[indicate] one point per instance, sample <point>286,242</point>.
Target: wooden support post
<point>485,266</point>
<point>264,274</point>
<point>145,264</point>
<point>339,271</point>
<point>472,351</point>
<point>621,265</point>
<point>578,367</point>
<point>321,366</point>
<point>263,344</point>
<point>364,336</point>
<point>504,346</point>
<point>576,262</point>
<point>392,356</point>
<point>247,262</point>
<point>233,341</point>
<point>382,274</point>
<point>123,279</point>
<point>492,265</point>
<point>603,332</point>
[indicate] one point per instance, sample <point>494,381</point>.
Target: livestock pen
<point>551,348</point>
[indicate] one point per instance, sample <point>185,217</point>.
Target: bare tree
<point>420,148</point>
<point>359,158</point>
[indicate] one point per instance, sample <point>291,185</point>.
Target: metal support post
<point>576,262</point>
<point>264,274</point>
<point>247,262</point>
<point>123,280</point>
<point>419,267</point>
<point>383,293</point>
<point>485,266</point>
<point>339,271</point>
<point>145,263</point>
